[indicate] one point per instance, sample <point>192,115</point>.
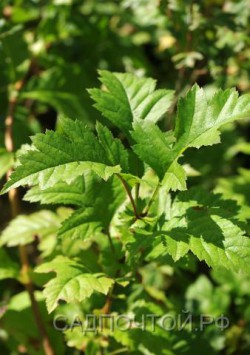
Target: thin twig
<point>14,203</point>
<point>107,306</point>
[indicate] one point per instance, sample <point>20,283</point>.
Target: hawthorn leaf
<point>130,179</point>
<point>61,156</point>
<point>155,148</point>
<point>175,178</point>
<point>73,282</point>
<point>237,188</point>
<point>81,192</point>
<point>113,147</point>
<point>60,193</point>
<point>199,118</point>
<point>197,123</point>
<point>39,224</point>
<point>127,97</point>
<point>204,224</point>
<point>91,218</point>
<point>83,223</point>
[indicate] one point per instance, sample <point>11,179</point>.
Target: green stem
<point>145,213</point>
<point>137,189</point>
<point>111,243</point>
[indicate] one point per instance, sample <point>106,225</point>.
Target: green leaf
<point>83,223</point>
<point>175,178</point>
<point>150,342</point>
<point>114,149</point>
<point>155,148</point>
<point>8,268</point>
<point>199,118</point>
<point>237,188</point>
<point>56,99</point>
<point>204,224</point>
<point>60,193</point>
<point>62,156</point>
<point>197,123</point>
<point>91,218</point>
<point>6,161</point>
<point>204,298</point>
<point>72,283</point>
<point>127,97</point>
<point>65,96</point>
<point>23,229</point>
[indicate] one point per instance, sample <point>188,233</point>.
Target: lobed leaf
<point>23,229</point>
<point>205,225</point>
<point>128,97</point>
<point>100,202</point>
<point>73,282</point>
<point>197,124</point>
<point>199,118</point>
<point>62,156</point>
<point>60,193</point>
